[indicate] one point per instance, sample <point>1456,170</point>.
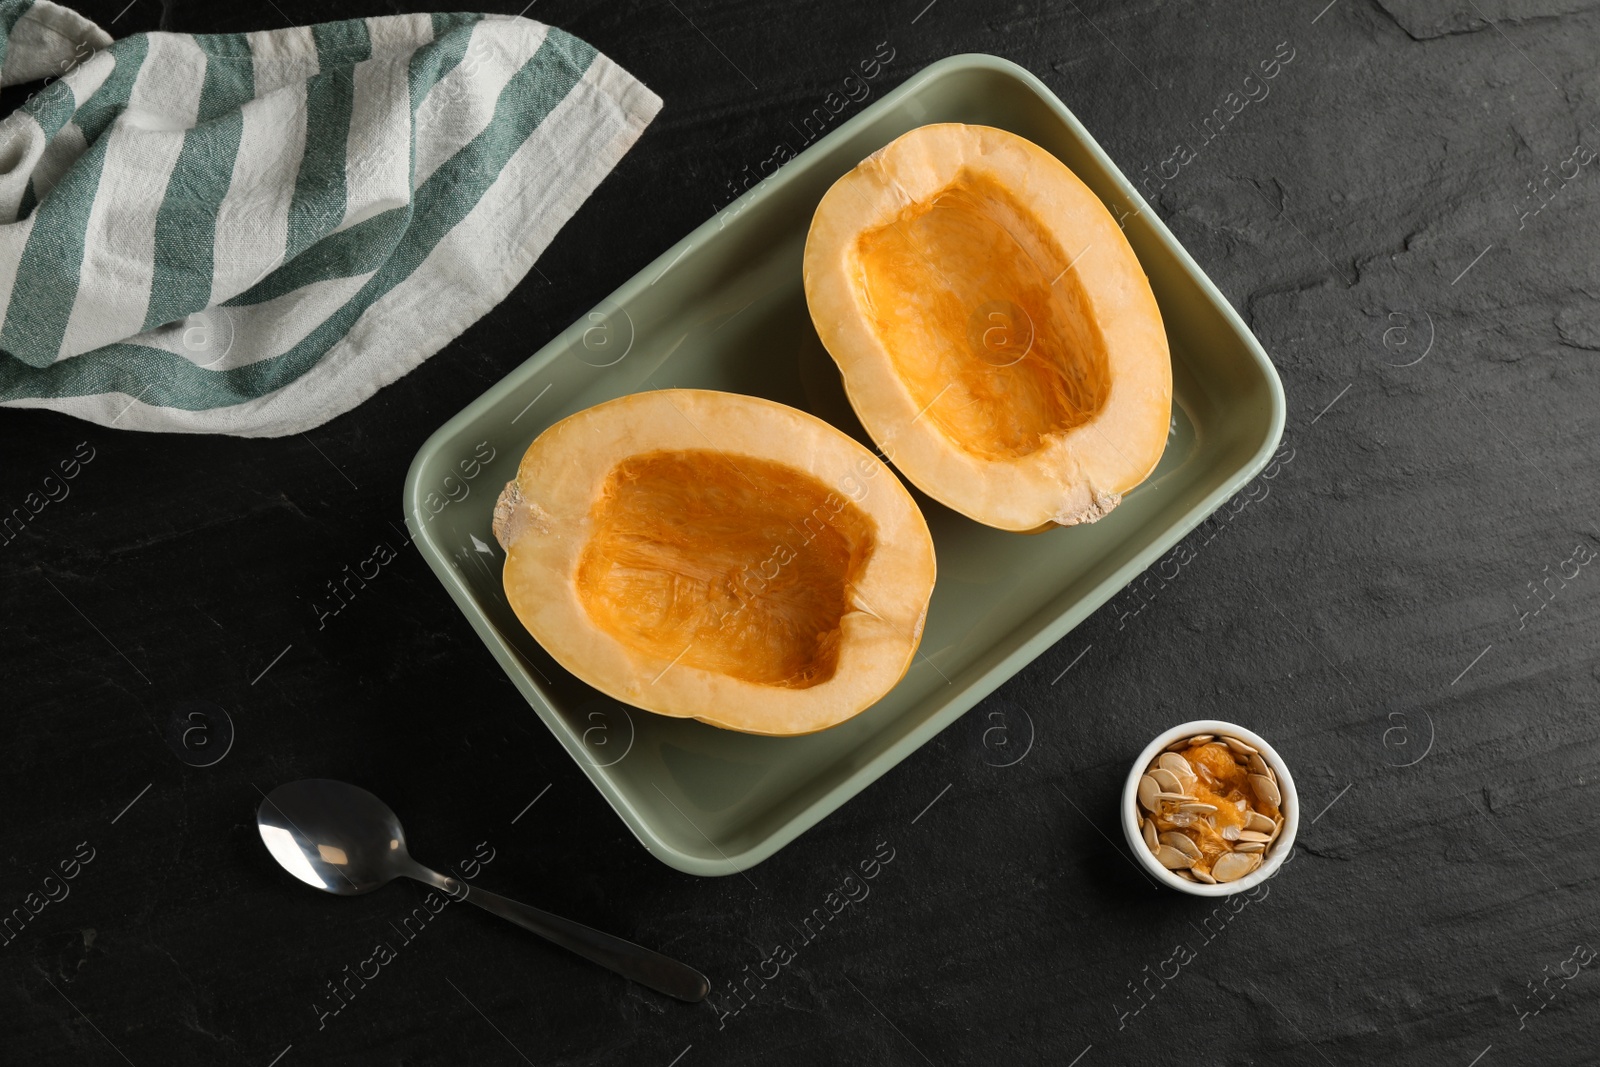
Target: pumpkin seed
<point>1254,835</point>
<point>1259,766</point>
<point>1184,875</point>
<point>1239,746</point>
<point>1230,833</point>
<point>1200,739</point>
<point>1197,807</point>
<point>1231,866</point>
<point>1166,780</point>
<point>1266,789</point>
<point>1147,792</point>
<point>1261,824</point>
<point>1202,876</point>
<point>1182,842</point>
<point>1178,797</point>
<point>1249,846</point>
<point>1150,835</point>
<point>1176,764</point>
<point>1172,859</point>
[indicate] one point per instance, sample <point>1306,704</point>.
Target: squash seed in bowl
<point>1211,808</point>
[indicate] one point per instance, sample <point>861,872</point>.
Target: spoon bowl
<point>333,836</point>
<point>341,839</point>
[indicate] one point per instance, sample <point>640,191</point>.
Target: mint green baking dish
<point>724,309</point>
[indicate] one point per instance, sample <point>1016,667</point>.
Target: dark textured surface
<point>1367,616</point>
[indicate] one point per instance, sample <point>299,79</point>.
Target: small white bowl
<point>1280,848</point>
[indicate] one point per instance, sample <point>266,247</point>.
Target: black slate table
<point>1400,615</point>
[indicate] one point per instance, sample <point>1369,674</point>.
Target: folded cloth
<point>252,233</point>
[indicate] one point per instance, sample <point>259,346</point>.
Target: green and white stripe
<point>252,233</point>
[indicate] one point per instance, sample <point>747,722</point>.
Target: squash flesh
<point>719,557</point>
<point>984,320</point>
<point>995,330</point>
<point>742,568</point>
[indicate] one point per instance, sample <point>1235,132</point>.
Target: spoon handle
<point>648,968</point>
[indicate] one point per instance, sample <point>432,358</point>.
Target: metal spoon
<point>338,838</point>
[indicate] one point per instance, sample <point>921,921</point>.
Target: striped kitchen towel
<point>252,233</point>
